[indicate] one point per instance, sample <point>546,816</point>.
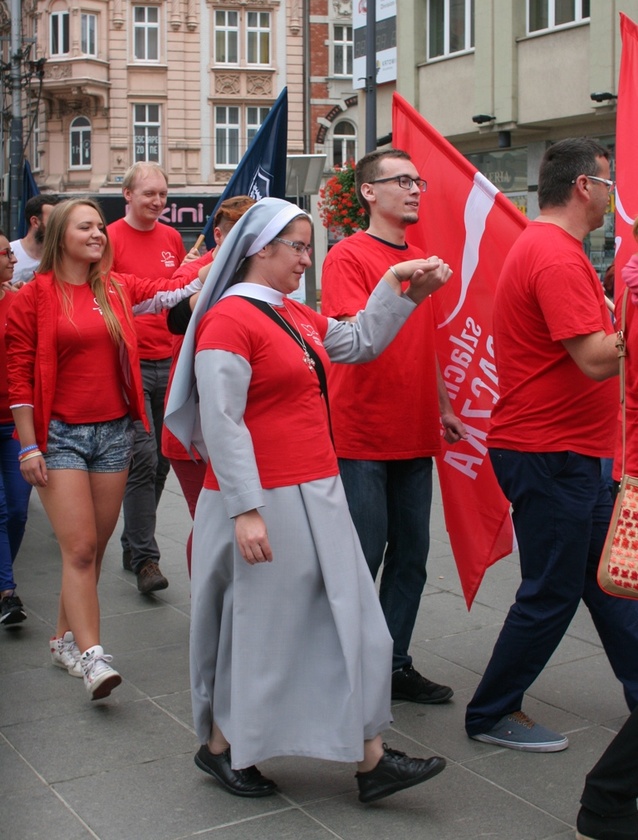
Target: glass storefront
<point>507,170</point>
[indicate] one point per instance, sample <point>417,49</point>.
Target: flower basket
<point>339,206</point>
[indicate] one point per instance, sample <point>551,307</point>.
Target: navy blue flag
<point>29,189</point>
<point>261,172</point>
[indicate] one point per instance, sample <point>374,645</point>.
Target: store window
<point>146,133</point>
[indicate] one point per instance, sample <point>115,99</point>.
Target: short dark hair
<point>34,205</point>
<point>367,170</point>
<point>562,163</point>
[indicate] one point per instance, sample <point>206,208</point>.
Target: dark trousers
<point>148,470</point>
<point>390,504</point>
<point>611,787</point>
<point>14,505</point>
<point>561,510</point>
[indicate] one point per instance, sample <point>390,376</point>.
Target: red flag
<point>467,222</point>
<point>626,134</point>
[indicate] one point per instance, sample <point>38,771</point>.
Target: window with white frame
<point>35,142</point>
<point>146,33</point>
<point>254,118</point>
<point>80,144</point>
<point>344,143</point>
<point>59,34</point>
<point>227,135</point>
<point>548,14</point>
<point>226,37</point>
<point>450,27</point>
<point>88,34</point>
<point>342,50</point>
<point>146,133</point>
<point>258,37</point>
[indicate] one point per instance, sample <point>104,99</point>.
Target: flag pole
<point>371,76</point>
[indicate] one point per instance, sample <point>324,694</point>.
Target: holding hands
<point>424,276</point>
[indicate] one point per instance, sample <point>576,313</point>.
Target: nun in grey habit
<point>289,650</point>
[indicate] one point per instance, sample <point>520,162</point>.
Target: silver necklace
<point>309,361</point>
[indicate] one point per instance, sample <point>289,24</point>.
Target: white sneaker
<point>66,654</point>
<point>99,678</point>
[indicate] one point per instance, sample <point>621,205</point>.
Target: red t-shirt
<point>190,270</point>
<point>387,409</point>
<point>548,292</point>
<point>148,253</point>
<point>5,413</point>
<point>285,412</point>
<point>171,447</point>
<point>88,387</point>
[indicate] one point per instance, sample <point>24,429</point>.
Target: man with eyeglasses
<point>28,251</point>
<point>387,414</point>
<point>556,417</point>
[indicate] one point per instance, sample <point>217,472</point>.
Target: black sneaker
<point>11,610</point>
<point>127,558</point>
<point>408,684</point>
<point>150,578</point>
<point>396,771</point>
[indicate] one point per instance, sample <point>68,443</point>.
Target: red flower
<point>338,204</point>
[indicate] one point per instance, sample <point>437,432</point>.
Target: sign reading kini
<point>467,222</point>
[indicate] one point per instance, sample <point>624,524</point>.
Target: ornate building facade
<point>185,83</point>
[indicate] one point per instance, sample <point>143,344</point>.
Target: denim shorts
<point>93,447</point>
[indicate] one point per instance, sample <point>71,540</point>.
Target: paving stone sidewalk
<point>122,768</point>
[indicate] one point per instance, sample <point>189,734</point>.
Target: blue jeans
<point>148,470</point>
<point>561,510</point>
<point>390,505</point>
<point>14,505</point>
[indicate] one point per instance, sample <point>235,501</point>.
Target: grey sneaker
<point>99,678</point>
<point>519,732</point>
<point>66,654</point>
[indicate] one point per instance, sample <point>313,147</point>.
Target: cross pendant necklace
<point>308,360</point>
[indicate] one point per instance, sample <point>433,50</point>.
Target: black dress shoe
<point>245,782</point>
<point>396,771</point>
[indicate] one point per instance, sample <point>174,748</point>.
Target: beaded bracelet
<point>28,448</point>
<point>24,458</point>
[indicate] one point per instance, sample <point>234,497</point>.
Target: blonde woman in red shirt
<point>74,389</point>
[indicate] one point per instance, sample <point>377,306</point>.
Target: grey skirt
<point>291,657</point>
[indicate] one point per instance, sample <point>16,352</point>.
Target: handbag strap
<point>319,368</point>
<point>621,347</point>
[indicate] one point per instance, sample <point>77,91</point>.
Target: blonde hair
<point>141,169</point>
<point>99,276</point>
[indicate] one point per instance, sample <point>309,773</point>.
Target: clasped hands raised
<point>425,277</point>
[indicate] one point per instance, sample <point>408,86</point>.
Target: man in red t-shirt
<point>555,418</point>
<point>387,414</point>
<point>148,248</point>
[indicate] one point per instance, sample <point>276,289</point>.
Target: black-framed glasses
<point>7,252</point>
<point>404,181</point>
<point>609,184</point>
<point>299,247</point>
